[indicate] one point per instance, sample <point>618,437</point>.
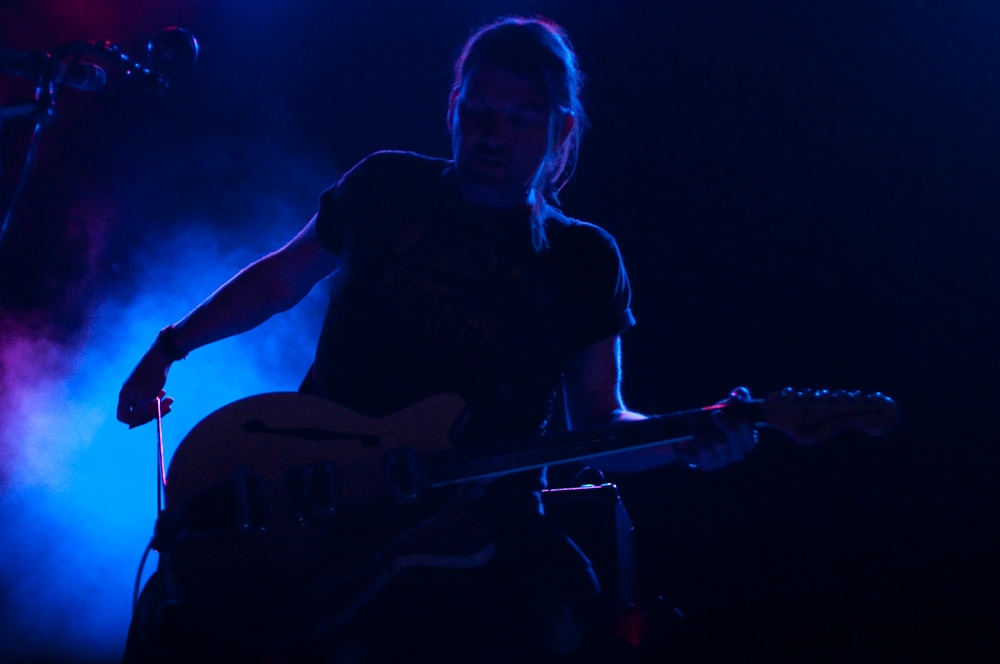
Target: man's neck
<point>498,200</point>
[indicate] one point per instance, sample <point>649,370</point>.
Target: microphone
<point>80,75</point>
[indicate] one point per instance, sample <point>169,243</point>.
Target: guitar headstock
<point>809,416</point>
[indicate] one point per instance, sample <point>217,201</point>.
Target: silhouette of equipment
<point>168,54</point>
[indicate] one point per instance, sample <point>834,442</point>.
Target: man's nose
<point>493,130</point>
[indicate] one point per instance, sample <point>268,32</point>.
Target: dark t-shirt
<point>439,295</point>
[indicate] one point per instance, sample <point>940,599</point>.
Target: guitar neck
<point>467,464</point>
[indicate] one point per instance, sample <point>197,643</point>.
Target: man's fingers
<point>123,411</point>
<point>749,438</point>
<point>127,411</point>
<point>723,442</point>
<point>164,409</point>
<point>140,416</point>
<point>137,420</point>
<point>135,411</point>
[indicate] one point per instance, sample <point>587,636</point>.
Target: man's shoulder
<point>377,188</point>
<point>382,179</point>
<point>567,233</point>
<point>396,165</point>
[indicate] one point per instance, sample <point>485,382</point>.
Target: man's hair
<point>538,50</point>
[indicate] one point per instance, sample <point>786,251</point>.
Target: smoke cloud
<point>77,500</point>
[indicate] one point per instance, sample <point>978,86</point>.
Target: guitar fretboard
<point>464,465</point>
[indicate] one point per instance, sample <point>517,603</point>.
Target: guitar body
<point>221,442</point>
<point>287,513</point>
<point>282,511</point>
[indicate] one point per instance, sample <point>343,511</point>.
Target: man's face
<point>500,136</point>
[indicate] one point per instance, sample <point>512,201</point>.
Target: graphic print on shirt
<point>450,295</point>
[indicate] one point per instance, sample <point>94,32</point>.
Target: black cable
<point>138,574</point>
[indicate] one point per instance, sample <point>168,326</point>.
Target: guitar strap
<point>310,611</point>
<point>395,566</point>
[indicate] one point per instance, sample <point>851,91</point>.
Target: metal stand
<point>42,113</point>
<point>170,52</point>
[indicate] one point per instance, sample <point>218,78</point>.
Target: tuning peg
<point>740,394</point>
<point>809,416</point>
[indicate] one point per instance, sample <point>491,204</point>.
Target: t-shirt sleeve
<point>614,290</point>
<point>620,311</point>
<point>601,286</point>
<point>335,211</point>
<point>360,192</point>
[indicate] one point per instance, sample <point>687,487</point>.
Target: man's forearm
<point>634,460</point>
<point>250,298</point>
<point>271,285</point>
<point>628,461</point>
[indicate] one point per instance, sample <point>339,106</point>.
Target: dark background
<point>804,194</point>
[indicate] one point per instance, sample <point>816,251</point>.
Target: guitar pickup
<point>231,508</point>
<point>403,475</point>
<point>313,492</point>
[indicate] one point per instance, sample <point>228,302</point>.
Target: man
<point>460,276</point>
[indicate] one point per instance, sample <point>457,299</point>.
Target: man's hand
<point>728,439</point>
<point>137,398</point>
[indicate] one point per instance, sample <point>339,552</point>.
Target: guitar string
<point>456,470</point>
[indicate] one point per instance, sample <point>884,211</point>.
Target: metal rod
<point>161,478</point>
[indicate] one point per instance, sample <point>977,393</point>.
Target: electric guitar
<point>288,513</point>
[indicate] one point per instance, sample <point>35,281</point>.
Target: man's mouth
<point>490,160</point>
<point>489,165</point>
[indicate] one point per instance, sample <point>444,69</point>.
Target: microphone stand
<point>171,51</point>
<point>42,113</point>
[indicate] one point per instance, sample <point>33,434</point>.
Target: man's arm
<point>268,286</point>
<point>592,389</point>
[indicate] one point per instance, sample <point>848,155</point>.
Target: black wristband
<point>165,342</point>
